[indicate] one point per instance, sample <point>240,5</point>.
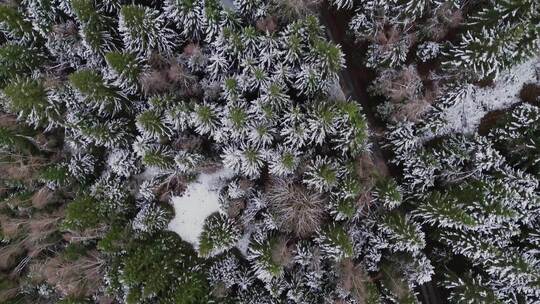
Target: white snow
<point>243,242</point>
<point>229,4</point>
<point>466,114</point>
<point>200,199</point>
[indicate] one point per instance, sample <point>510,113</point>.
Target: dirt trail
<point>355,79</point>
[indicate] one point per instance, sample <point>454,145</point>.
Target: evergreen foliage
<point>28,98</point>
<point>500,35</point>
<point>162,267</point>
<point>144,30</point>
<point>129,104</point>
<point>126,69</point>
<point>219,234</point>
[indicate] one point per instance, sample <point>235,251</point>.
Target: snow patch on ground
<point>465,115</point>
<point>200,199</point>
<point>229,4</point>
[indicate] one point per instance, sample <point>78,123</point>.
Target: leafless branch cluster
<point>297,209</point>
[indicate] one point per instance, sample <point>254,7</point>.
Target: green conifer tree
<point>502,34</point>
<point>219,234</point>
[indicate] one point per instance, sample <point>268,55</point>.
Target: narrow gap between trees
<point>354,80</point>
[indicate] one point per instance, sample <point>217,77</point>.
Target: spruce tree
<point>144,30</point>
<point>500,35</point>
<point>219,234</point>
<point>125,69</point>
<point>97,29</point>
<point>18,60</point>
<point>13,23</point>
<point>162,267</point>
<point>189,16</point>
<point>94,90</point>
<point>28,98</point>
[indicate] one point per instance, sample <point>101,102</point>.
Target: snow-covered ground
<point>200,199</point>
<point>228,4</point>
<point>465,115</point>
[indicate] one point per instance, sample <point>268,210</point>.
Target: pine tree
<point>323,174</point>
<point>515,274</point>
<point>212,19</point>
<point>144,31</point>
<point>232,158</point>
<point>159,157</point>
<point>42,14</point>
<point>235,119</point>
<point>66,44</point>
<point>395,287</point>
<point>275,95</point>
<point>256,78</point>
<point>516,136</point>
<point>353,131</point>
<point>122,162</point>
<point>28,98</point>
<point>178,116</point>
<point>269,255</point>
<point>323,122</point>
<point>189,16</point>
<point>328,58</point>
<point>218,65</point>
<point>82,166</point>
<point>13,23</point>
<point>14,140</point>
<point>469,288</point>
<point>110,134</point>
<point>96,92</point>
<point>343,4</point>
<point>428,51</point>
<point>187,162</point>
<point>402,140</point>
<point>500,35</point>
<point>82,213</point>
<point>18,60</point>
<point>219,235</point>
<point>403,233</point>
<point>205,118</point>
<point>54,176</point>
<point>225,272</point>
<point>126,70</point>
<point>309,81</point>
<point>389,193</point>
<point>152,218</point>
<point>447,210</point>
<point>262,133</point>
<point>283,161</point>
<point>112,194</point>
<point>415,9</point>
<point>294,128</point>
<point>97,29</point>
<point>335,242</point>
<point>162,267</point>
<point>252,159</point>
<point>151,124</point>
<point>416,268</point>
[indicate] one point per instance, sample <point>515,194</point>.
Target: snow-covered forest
<point>269,151</point>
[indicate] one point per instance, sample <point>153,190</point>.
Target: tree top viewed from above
<point>269,151</point>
